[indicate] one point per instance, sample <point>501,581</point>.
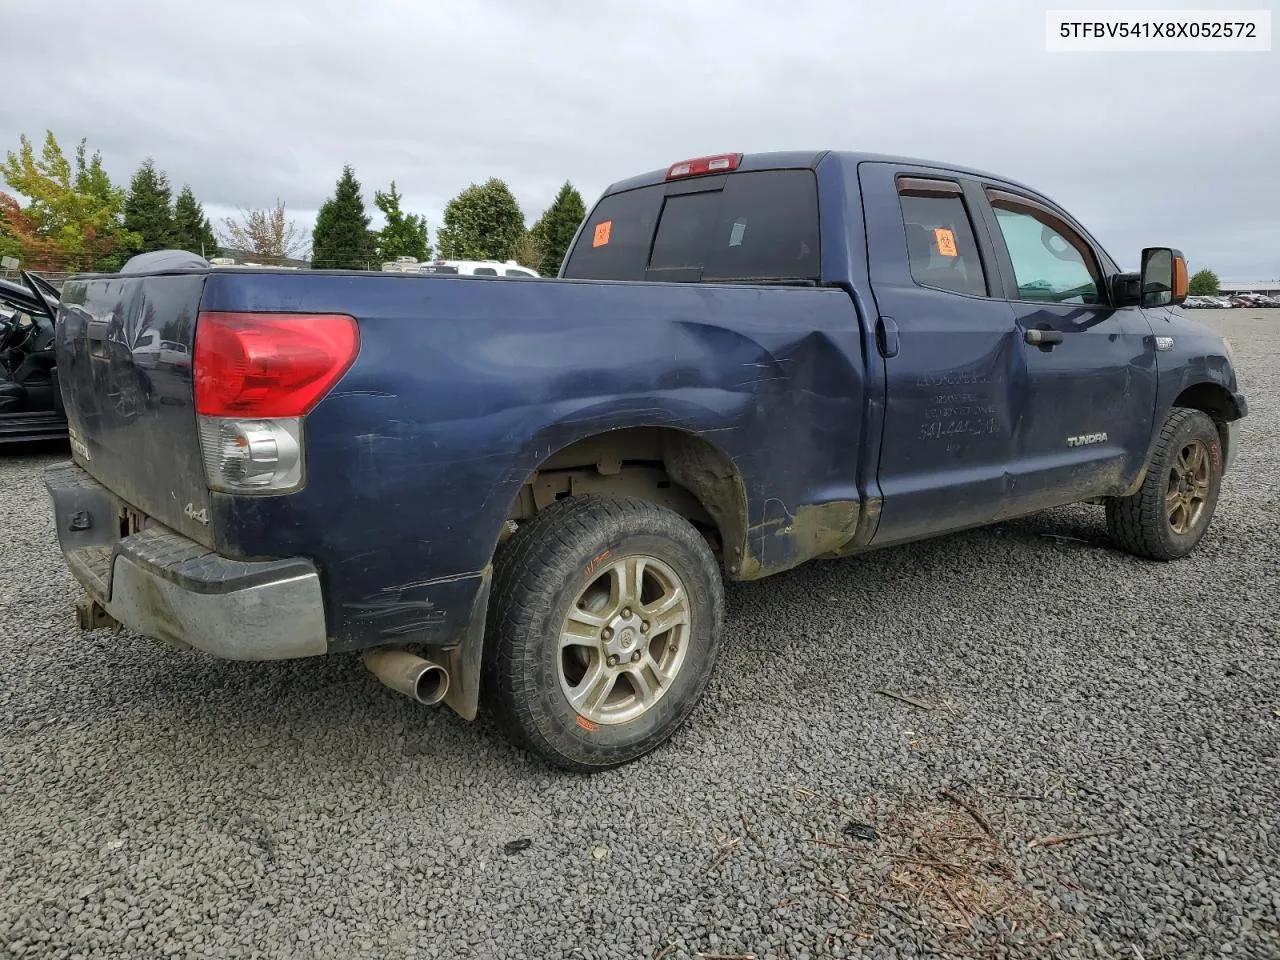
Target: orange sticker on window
<point>602,233</point>
<point>946,241</point>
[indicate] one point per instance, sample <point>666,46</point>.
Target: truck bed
<point>461,389</point>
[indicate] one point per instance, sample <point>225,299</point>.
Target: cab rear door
<point>954,370</point>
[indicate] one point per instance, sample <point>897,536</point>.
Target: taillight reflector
<point>269,364</point>
<point>717,163</point>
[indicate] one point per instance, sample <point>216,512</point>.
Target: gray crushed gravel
<point>154,803</point>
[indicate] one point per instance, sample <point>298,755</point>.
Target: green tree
<point>147,209</point>
<point>191,228</point>
<point>342,238</point>
<point>481,223</point>
<point>528,252</point>
<point>555,228</point>
<point>73,208</point>
<point>405,235</point>
<point>1203,284</point>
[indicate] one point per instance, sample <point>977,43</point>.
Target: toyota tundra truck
<point>527,494</point>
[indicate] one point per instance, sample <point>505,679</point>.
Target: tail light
<point>252,456</point>
<point>719,163</point>
<point>256,376</point>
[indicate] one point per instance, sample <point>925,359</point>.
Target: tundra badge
<point>1086,438</point>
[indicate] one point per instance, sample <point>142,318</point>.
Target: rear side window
<point>940,241</point>
<point>517,273</point>
<point>614,243</point>
<point>758,226</point>
<point>484,272</point>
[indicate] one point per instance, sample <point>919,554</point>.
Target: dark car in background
<point>30,402</point>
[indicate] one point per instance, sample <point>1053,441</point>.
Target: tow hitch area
<point>91,615</point>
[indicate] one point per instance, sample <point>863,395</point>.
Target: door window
<point>1050,260</point>
<point>940,241</point>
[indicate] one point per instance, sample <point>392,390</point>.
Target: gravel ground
<point>154,803</point>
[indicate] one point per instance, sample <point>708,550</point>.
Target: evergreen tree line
<point>75,218</point>
<point>483,222</point>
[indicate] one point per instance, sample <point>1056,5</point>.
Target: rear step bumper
<point>163,585</point>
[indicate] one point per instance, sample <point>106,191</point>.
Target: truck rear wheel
<point>603,628</point>
<point>1170,513</point>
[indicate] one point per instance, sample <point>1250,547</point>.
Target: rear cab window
<point>748,226</point>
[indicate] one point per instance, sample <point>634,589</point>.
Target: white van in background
<point>465,268</point>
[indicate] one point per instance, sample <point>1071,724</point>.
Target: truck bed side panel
<point>464,386</point>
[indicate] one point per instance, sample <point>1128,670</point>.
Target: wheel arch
<point>1211,398</point>
<point>1217,402</point>
<point>670,466</point>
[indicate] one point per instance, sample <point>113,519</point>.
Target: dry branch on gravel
<point>941,868</point>
<point>972,811</point>
<point>910,701</point>
<point>726,847</point>
<point>1056,838</point>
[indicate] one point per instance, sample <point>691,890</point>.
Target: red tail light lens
<point>269,364</point>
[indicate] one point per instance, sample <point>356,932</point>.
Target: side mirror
<point>1164,277</point>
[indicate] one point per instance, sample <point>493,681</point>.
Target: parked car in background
<point>1254,300</point>
<point>463,268</point>
<point>480,268</point>
<point>30,403</point>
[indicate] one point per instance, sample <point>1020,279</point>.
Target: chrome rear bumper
<point>163,585</point>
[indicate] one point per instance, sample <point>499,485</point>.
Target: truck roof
<point>792,159</point>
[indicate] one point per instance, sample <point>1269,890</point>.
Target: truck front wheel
<point>1170,513</point>
<point>603,629</point>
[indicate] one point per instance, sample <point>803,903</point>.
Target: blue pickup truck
<point>527,493</point>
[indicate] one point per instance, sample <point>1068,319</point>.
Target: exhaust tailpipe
<point>409,674</point>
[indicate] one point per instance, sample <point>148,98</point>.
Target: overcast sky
<point>249,101</point>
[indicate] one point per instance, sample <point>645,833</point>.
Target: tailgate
<point>123,352</point>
